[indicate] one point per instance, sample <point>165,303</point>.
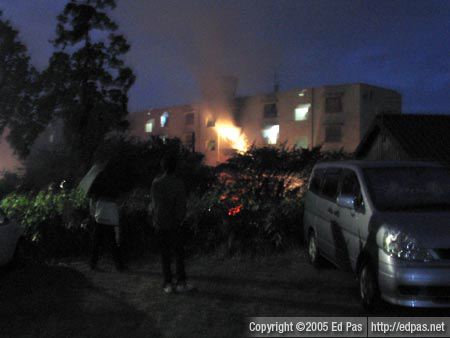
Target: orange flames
<point>232,135</point>
<point>234,211</point>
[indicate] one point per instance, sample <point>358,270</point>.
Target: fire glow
<point>233,136</point>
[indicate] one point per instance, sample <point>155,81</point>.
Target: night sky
<point>404,45</point>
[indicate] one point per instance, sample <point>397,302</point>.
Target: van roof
<point>375,164</point>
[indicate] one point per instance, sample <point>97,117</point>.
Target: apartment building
<point>332,116</point>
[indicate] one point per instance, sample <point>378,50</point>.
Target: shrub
<point>133,163</point>
<point>137,233</point>
<point>204,222</point>
<point>251,204</point>
<point>9,183</point>
<point>53,220</point>
<point>132,166</point>
<point>256,204</point>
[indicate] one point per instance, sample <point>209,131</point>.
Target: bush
<point>132,166</point>
<point>251,204</point>
<point>133,163</point>
<point>204,223</point>
<point>256,204</point>
<point>9,183</point>
<point>137,232</point>
<point>53,220</point>
<point>54,217</point>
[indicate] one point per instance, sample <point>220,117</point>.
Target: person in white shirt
<point>105,216</point>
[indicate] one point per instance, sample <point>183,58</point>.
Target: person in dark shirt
<point>168,209</point>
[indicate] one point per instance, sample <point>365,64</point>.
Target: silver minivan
<point>388,222</point>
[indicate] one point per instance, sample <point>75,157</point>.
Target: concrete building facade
<point>334,117</point>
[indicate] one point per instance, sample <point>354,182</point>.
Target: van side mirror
<point>346,201</point>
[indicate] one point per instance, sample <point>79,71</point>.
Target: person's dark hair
<point>104,186</point>
<point>169,162</point>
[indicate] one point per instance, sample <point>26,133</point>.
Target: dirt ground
<point>67,299</point>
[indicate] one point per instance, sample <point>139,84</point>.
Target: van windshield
<point>409,188</point>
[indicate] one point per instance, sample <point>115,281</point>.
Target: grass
<point>69,300</point>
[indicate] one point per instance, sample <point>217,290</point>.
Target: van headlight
<point>399,244</point>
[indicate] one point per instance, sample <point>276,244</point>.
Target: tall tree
<point>87,81</point>
<point>19,89</point>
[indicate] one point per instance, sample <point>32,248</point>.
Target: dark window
<point>270,110</point>
<point>189,119</point>
<point>333,134</point>
<point>316,180</point>
<point>330,186</point>
<point>350,184</point>
<point>333,104</point>
<point>351,187</point>
<point>367,95</point>
<point>189,141</point>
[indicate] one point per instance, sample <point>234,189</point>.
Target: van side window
<point>350,186</point>
<point>316,181</point>
<point>330,187</point>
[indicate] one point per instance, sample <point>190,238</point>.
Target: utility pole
<point>312,118</point>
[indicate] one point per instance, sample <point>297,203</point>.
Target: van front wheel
<point>368,287</point>
<point>313,250</point>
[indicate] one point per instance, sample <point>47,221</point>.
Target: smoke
<point>177,45</point>
<point>203,40</point>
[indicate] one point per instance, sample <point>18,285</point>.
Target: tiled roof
<point>424,137</point>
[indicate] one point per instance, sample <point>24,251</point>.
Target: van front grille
<point>442,292</point>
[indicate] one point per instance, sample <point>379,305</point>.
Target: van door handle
<point>333,212</point>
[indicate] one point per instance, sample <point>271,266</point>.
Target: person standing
<point>105,217</point>
<point>168,209</point>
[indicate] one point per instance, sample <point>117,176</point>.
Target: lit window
<point>211,145</point>
<point>270,134</point>
<point>164,119</point>
<point>189,119</point>
<point>302,142</point>
<point>270,110</point>
<point>149,125</point>
<point>301,112</point>
<point>333,134</point>
<point>302,93</point>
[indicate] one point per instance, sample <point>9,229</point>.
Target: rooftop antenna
<point>276,82</point>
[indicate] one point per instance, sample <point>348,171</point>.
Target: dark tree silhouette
<point>87,83</point>
<point>19,89</point>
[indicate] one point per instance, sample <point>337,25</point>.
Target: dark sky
<point>404,45</point>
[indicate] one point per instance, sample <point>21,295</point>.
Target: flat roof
<point>376,164</point>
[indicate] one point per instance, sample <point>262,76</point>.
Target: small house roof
<point>422,137</point>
